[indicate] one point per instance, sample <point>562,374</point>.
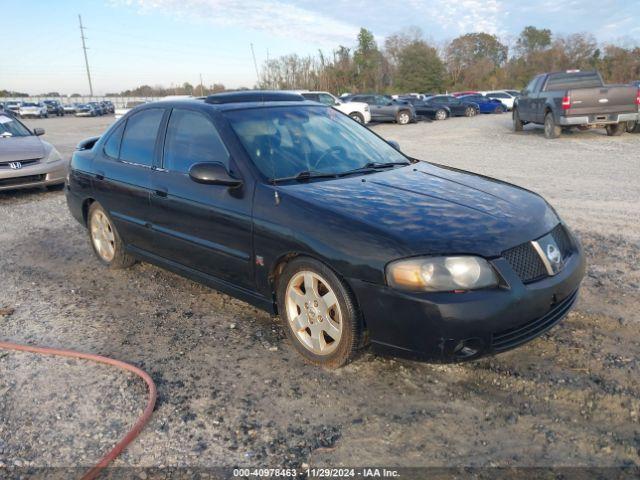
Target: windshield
<point>9,127</point>
<point>29,104</point>
<point>286,141</point>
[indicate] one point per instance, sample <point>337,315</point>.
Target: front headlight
<point>441,274</point>
<point>53,156</point>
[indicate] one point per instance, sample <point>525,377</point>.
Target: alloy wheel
<point>313,312</point>
<point>102,236</point>
<point>403,118</point>
<point>441,115</point>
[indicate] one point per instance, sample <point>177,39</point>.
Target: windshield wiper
<point>372,167</point>
<point>384,164</point>
<point>306,175</point>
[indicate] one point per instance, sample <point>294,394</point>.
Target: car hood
<point>16,149</point>
<point>428,209</point>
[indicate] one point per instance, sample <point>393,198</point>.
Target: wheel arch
<point>86,204</point>
<point>281,262</point>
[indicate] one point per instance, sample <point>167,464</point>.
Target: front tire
<point>357,117</point>
<point>319,313</point>
<point>551,130</point>
<point>616,129</point>
<point>105,240</point>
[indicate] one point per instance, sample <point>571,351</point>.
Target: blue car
<point>486,104</point>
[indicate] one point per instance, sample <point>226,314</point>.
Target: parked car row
<point>53,107</point>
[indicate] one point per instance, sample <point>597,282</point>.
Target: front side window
<point>285,141</point>
<point>139,139</point>
<point>327,99</point>
<point>192,138</point>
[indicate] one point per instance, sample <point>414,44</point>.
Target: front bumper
<point>39,175</point>
<point>603,119</point>
<point>464,326</point>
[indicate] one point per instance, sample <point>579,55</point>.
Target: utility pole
<point>201,87</point>
<point>255,64</point>
<point>84,48</point>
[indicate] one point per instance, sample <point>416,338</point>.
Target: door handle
<point>160,192</point>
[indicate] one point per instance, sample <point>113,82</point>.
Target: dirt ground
<point>232,392</point>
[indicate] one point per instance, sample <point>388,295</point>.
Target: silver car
<point>26,160</point>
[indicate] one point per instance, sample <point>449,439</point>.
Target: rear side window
<point>112,145</point>
<point>497,95</point>
<point>192,138</point>
<point>310,96</point>
<point>139,139</point>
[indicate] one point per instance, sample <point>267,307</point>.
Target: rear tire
<point>499,109</point>
<point>441,114</point>
<point>616,129</point>
<point>403,117</point>
<point>357,117</point>
<point>105,240</point>
<point>551,130</point>
<point>518,125</point>
<point>470,112</point>
<point>310,321</point>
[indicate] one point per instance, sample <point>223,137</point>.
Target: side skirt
<point>217,284</point>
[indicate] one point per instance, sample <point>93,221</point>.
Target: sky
<point>165,42</point>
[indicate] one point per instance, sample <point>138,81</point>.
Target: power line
<point>86,59</point>
<point>255,64</point>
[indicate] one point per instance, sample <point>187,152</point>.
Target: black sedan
<point>293,207</point>
<point>456,106</point>
<point>428,110</point>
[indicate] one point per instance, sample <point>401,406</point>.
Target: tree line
<point>406,62</point>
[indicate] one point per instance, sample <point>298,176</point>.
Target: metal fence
<point>119,102</point>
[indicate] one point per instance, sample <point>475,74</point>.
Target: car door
<point>122,175</point>
<point>525,102</point>
<point>456,105</point>
<point>538,100</point>
<point>206,228</point>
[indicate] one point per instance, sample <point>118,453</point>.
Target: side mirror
<point>394,144</point>
<point>38,131</point>
<point>213,173</point>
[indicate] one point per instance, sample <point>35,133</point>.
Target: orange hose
<point>139,425</point>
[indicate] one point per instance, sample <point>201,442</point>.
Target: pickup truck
<point>576,99</point>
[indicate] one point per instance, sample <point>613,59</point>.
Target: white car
<point>507,97</point>
<point>119,112</point>
<point>357,110</point>
<point>32,109</point>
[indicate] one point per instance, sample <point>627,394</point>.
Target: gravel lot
<point>232,392</point>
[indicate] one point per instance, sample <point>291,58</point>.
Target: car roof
<point>237,101</point>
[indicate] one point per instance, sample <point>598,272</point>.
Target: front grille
<point>10,182</point>
<point>526,262</point>
<point>24,163</point>
<point>513,337</point>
